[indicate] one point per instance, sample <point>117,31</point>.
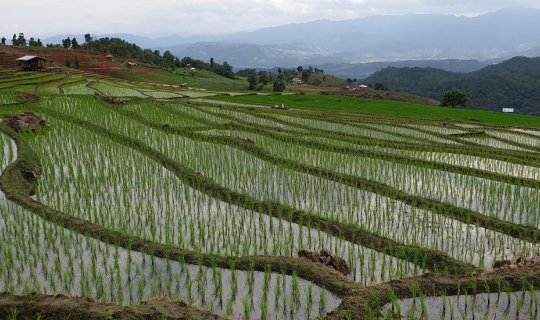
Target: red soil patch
<point>89,60</point>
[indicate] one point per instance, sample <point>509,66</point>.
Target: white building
<point>297,81</point>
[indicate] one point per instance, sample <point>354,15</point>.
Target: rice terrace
<point>126,198</point>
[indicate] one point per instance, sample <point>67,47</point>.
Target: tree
<point>68,62</point>
<point>66,43</point>
<point>251,78</point>
<point>74,43</point>
<point>14,40</point>
<point>88,40</point>
<point>454,98</point>
<point>168,59</point>
<point>379,86</point>
<point>279,84</point>
<point>21,41</point>
<point>77,65</point>
<point>212,62</point>
<point>3,41</point>
<point>264,77</point>
<point>300,69</point>
<point>305,75</point>
<point>32,42</point>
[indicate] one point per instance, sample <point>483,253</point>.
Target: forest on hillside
<point>514,83</point>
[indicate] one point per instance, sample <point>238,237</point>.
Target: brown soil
<point>27,96</point>
<point>108,99</point>
<point>46,307</point>
<point>326,258</point>
<point>24,121</point>
<point>369,93</point>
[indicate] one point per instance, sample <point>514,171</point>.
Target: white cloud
<point>145,17</point>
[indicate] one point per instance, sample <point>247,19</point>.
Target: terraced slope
<point>134,194</point>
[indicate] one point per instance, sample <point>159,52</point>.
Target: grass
<point>203,79</point>
<point>387,108</point>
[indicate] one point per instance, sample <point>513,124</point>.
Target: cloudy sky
<point>41,18</point>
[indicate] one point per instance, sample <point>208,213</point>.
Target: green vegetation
<point>511,84</point>
<point>388,108</point>
<point>215,198</point>
<point>454,98</point>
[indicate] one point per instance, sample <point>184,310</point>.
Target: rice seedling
<point>190,201</point>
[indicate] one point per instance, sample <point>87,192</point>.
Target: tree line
<point>258,79</point>
<point>122,48</point>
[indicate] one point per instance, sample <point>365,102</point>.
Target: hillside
<point>372,94</point>
<point>95,65</point>
<point>514,83</point>
<point>366,69</point>
<point>165,201</point>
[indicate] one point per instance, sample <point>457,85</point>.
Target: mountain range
<point>428,37</point>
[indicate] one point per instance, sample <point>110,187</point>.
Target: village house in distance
<point>32,63</point>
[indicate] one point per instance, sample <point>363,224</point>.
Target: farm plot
<point>195,93</point>
<point>533,132</point>
<point>404,223</point>
<point>251,119</point>
<point>112,90</point>
<point>222,229</point>
<point>17,83</point>
<point>410,132</point>
<point>317,191</point>
<point>463,160</point>
<point>150,112</point>
<point>494,143</point>
<point>79,89</point>
<point>500,305</point>
<point>218,202</point>
<point>269,182</point>
<point>438,129</point>
<point>41,257</point>
<point>504,201</point>
<point>524,140</point>
<point>340,128</point>
<point>162,94</point>
<point>454,159</point>
<point>189,111</point>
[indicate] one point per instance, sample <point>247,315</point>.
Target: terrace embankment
<point>368,301</point>
<point>39,306</point>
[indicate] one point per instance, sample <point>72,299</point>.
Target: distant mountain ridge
<point>514,83</point>
<point>364,70</point>
<point>497,35</point>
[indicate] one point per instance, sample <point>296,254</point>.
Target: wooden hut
<point>32,62</point>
